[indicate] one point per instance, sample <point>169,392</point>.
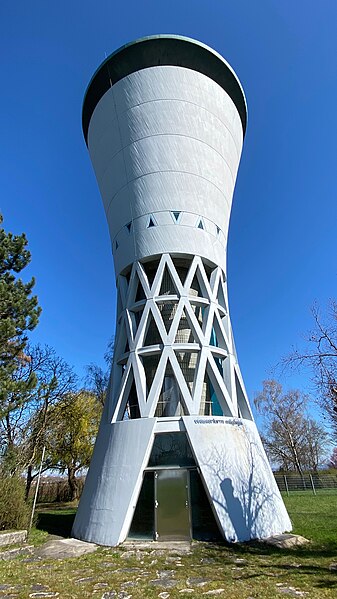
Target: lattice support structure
<point>164,120</point>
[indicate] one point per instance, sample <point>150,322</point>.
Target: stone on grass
<point>64,548</point>
<point>167,583</point>
<point>12,553</point>
<point>285,541</point>
<point>197,582</point>
<point>165,573</point>
<point>12,538</point>
<point>164,595</point>
<point>44,594</point>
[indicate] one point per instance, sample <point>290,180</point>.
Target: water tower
<point>178,454</point>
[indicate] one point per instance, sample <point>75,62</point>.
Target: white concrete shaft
<point>165,143</point>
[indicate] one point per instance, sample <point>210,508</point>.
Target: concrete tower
<point>178,453</point>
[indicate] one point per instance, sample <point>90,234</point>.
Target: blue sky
<point>282,242</point>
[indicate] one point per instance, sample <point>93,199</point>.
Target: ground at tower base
<point>247,570</point>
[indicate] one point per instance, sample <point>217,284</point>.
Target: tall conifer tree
<point>19,314</point>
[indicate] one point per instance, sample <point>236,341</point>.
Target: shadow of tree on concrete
<point>244,491</point>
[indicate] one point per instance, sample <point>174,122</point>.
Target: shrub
<point>14,512</point>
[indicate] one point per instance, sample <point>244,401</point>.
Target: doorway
<point>172,505</point>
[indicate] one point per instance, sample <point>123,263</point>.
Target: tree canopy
<point>19,314</point>
<point>293,440</point>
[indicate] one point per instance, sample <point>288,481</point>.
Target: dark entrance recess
<point>172,451</point>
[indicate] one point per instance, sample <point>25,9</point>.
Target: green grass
<point>245,571</point>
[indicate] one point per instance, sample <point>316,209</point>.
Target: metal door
<point>172,510</point>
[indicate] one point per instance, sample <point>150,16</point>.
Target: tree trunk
<point>28,481</point>
<point>73,484</point>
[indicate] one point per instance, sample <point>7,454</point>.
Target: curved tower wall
<point>166,139</point>
<point>164,121</point>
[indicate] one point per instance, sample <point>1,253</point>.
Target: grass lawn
<point>244,571</point>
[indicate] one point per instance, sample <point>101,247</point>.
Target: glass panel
<point>209,405</point>
<point>171,449</point>
<point>143,519</point>
<point>204,526</point>
<point>169,401</point>
<point>172,505</point>
<point>168,310</point>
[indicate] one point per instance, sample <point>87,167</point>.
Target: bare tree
<point>293,440</point>
<point>23,426</point>
<point>55,380</point>
<point>320,357</point>
<point>97,378</point>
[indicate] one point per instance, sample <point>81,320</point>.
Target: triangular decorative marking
<point>116,245</point>
<point>152,222</point>
<point>200,224</point>
<point>129,226</point>
<point>176,214</point>
<point>242,402</point>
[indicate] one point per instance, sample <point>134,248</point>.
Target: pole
<point>312,484</point>
<point>36,489</point>
<point>286,484</point>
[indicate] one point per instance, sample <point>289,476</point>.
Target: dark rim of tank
<point>157,50</point>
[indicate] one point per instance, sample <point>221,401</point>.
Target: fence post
<point>36,490</point>
<point>286,484</point>
<point>312,484</point>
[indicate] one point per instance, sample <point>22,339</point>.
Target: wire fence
<point>313,482</point>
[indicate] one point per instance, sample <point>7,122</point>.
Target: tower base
<point>225,453</point>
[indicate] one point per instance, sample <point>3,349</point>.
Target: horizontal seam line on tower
<point>168,135</point>
<point>182,101</point>
<point>166,171</point>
